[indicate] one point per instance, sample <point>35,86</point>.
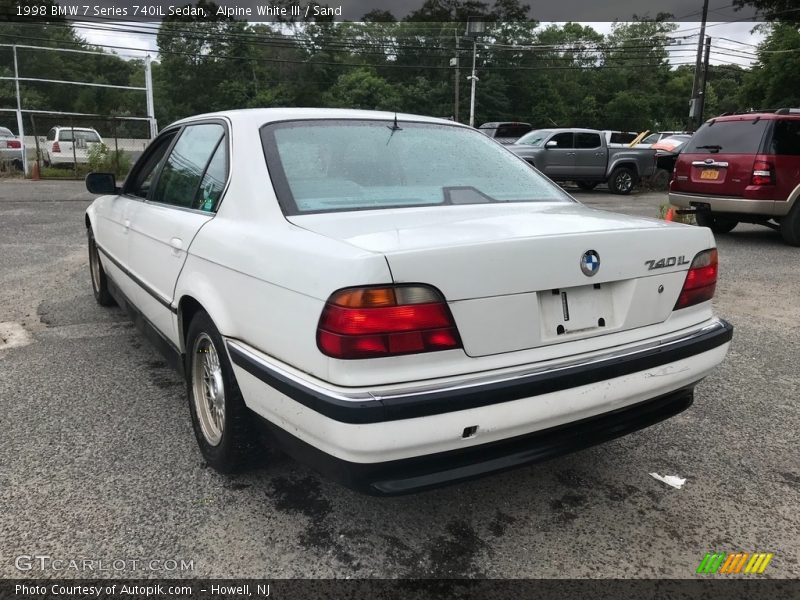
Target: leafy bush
<point>104,160</point>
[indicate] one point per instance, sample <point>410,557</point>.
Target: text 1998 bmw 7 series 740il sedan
<point>397,300</point>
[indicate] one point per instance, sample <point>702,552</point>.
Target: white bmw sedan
<point>398,300</point>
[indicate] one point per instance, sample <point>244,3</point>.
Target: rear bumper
<point>721,204</point>
<point>357,436</point>
<point>421,473</point>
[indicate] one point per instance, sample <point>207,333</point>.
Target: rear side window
<point>51,135</point>
<point>180,179</point>
<point>786,138</point>
<point>728,137</point>
<point>587,140</point>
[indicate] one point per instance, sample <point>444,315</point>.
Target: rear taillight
<point>371,322</point>
<point>13,144</point>
<point>56,147</point>
<point>762,173</point>
<point>701,280</point>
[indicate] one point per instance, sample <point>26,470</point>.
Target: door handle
<point>127,224</point>
<point>176,243</point>
<point>570,154</point>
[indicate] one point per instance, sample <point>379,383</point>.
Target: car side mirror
<point>101,183</point>
<point>551,144</point>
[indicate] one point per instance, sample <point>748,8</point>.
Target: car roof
<point>75,128</point>
<point>495,124</point>
<point>256,117</point>
<point>766,116</point>
<point>571,129</point>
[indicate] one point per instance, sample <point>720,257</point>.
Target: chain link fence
<point>69,147</point>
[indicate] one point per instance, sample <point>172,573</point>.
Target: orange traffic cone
<point>670,215</point>
<point>35,171</point>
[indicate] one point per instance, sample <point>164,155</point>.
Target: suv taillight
<point>762,173</point>
<point>56,147</point>
<point>701,280</point>
<point>370,322</point>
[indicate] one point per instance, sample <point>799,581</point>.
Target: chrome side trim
<point>554,368</point>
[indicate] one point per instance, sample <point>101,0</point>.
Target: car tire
<point>99,280</point>
<point>587,186</point>
<point>790,226</point>
<point>223,425</point>
<point>622,180</point>
<point>660,179</point>
<point>716,223</point>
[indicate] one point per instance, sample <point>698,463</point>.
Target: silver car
<point>10,148</point>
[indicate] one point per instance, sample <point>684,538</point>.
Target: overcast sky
<point>733,32</point>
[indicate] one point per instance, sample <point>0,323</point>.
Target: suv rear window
<point>728,137</point>
<point>65,135</point>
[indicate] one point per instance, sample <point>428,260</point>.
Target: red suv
<point>743,168</point>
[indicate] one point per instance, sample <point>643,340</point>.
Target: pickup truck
<point>583,156</point>
<point>506,132</point>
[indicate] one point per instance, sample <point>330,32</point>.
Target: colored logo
<point>740,562</point>
<point>590,263</point>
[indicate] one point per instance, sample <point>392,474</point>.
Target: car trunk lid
<point>512,274</point>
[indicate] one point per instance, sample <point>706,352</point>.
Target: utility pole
<point>475,28</point>
<point>702,93</point>
<point>457,80</point>
<point>20,127</point>
<point>694,103</point>
<point>148,84</point>
<point>474,79</point>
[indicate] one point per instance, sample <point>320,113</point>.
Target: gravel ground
<point>98,459</point>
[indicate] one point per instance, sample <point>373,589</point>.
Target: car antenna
<point>393,127</point>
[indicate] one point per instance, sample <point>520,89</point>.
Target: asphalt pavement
<point>98,459</point>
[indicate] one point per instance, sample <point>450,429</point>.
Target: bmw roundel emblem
<point>590,263</point>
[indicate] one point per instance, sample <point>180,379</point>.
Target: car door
<point>590,156</point>
<point>113,215</point>
<point>183,198</point>
<point>559,158</point>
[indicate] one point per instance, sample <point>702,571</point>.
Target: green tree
<point>363,88</point>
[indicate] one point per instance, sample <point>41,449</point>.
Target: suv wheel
<point>622,180</point>
<point>790,226</point>
<point>716,223</point>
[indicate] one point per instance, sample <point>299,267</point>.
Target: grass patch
<point>64,173</point>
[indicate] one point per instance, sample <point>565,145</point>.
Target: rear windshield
<point>514,130</point>
<point>338,165</point>
<point>87,136</point>
<point>728,137</point>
